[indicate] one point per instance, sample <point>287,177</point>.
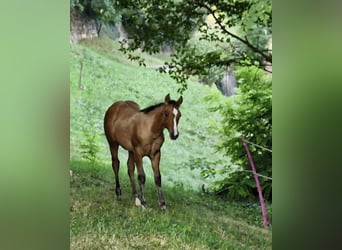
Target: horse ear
<point>167,98</point>
<point>179,101</point>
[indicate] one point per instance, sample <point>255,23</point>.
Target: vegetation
<point>207,37</point>
<point>253,102</point>
<point>238,32</point>
<point>194,219</point>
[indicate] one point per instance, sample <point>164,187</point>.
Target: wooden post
<point>80,77</point>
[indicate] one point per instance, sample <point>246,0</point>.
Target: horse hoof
<point>163,207</point>
<point>137,202</point>
<point>118,192</point>
<point>119,198</point>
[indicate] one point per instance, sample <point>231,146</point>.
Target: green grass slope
<point>193,220</point>
<point>106,80</point>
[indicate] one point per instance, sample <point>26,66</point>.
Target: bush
<point>249,113</point>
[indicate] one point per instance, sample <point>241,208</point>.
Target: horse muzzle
<point>173,136</point>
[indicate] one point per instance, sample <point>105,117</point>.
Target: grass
<point>194,220</point>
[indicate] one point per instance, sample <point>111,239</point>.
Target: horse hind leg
<point>116,166</point>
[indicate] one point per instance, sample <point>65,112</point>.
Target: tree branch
<point>267,57</point>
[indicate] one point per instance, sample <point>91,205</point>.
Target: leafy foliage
<point>155,23</point>
<point>90,148</point>
<point>249,113</point>
<point>239,33</point>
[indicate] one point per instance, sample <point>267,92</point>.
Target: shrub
<point>248,113</point>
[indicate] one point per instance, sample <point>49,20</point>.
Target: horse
<point>140,132</point>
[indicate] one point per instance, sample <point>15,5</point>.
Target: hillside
<point>107,77</point>
<point>194,220</point>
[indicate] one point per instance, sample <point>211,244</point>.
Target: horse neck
<point>155,117</point>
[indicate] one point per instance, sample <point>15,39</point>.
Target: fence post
<point>262,203</point>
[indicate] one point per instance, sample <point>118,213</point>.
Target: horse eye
<point>166,113</point>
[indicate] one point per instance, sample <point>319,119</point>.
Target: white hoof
<point>137,202</point>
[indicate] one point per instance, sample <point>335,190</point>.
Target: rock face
<point>81,27</point>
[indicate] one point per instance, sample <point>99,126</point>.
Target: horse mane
<point>153,107</point>
<point>150,108</point>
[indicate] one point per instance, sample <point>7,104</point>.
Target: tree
<point>239,34</point>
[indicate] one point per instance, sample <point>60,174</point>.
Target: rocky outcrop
<point>81,27</point>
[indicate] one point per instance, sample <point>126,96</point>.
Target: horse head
<point>171,115</point>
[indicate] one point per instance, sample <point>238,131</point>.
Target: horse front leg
<point>155,159</point>
<point>141,179</point>
<point>131,167</point>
